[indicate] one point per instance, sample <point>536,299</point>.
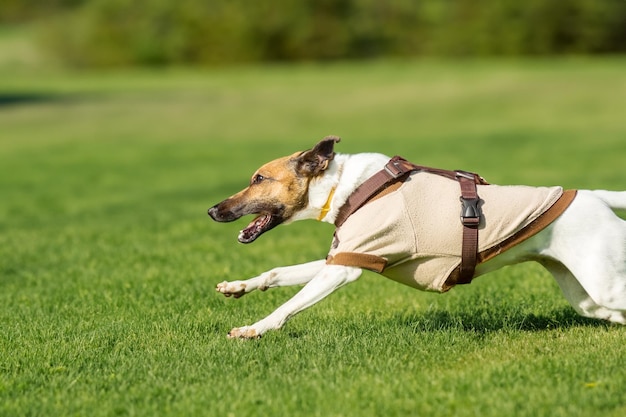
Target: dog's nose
<point>213,212</point>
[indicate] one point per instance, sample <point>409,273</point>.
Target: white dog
<point>399,227</point>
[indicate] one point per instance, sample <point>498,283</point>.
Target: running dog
<point>401,228</point>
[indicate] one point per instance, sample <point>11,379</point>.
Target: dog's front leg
<point>277,277</point>
<point>328,279</point>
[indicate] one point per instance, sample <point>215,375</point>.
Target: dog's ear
<point>316,160</point>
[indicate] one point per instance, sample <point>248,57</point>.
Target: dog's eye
<point>257,179</point>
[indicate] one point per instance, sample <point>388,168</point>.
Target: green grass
<point>108,261</point>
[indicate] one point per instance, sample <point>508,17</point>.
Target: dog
<point>584,246</point>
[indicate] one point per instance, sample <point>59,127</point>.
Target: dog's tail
<point>614,199</point>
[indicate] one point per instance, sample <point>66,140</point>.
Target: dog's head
<point>277,190</point>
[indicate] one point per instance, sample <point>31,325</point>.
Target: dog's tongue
<point>254,229</point>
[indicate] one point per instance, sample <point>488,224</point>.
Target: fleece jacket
<point>417,231</point>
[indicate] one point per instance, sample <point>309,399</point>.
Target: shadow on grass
<point>483,321</point>
<point>21,99</point>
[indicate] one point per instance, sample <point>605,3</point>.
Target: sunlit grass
<point>108,260</point>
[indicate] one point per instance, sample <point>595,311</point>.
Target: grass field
<point>108,261</point>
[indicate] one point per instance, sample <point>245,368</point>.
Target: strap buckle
<point>465,174</point>
<point>470,212</point>
<point>470,176</point>
<point>394,167</point>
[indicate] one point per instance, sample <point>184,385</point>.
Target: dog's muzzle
<point>261,224</point>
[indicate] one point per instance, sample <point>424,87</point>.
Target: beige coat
<point>417,230</point>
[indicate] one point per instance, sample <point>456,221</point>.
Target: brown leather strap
<point>398,169</point>
<point>470,219</point>
<point>395,169</point>
<point>361,260</point>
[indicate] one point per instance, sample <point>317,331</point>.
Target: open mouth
<point>257,227</point>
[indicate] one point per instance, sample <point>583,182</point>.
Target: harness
<point>505,215</point>
<point>397,171</point>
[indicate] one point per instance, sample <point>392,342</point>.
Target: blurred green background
<point>96,33</point>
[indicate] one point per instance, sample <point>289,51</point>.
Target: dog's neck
<point>328,193</point>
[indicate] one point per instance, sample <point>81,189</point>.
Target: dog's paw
<point>235,288</point>
<point>245,332</point>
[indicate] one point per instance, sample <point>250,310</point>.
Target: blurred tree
<point>16,11</point>
<point>217,32</point>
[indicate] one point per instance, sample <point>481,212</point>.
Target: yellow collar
<point>326,207</point>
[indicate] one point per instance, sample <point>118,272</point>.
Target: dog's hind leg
<point>578,297</point>
<point>328,279</point>
<point>589,240</point>
<point>277,277</point>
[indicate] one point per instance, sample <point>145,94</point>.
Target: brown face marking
<point>281,184</point>
<point>276,192</point>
